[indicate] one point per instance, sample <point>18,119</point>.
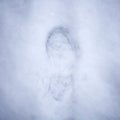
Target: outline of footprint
<point>61,50</point>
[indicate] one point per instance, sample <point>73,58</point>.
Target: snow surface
<point>59,60</point>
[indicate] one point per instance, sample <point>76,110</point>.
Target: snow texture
<point>59,60</point>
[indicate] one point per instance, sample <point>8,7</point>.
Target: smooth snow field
<point>59,60</point>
